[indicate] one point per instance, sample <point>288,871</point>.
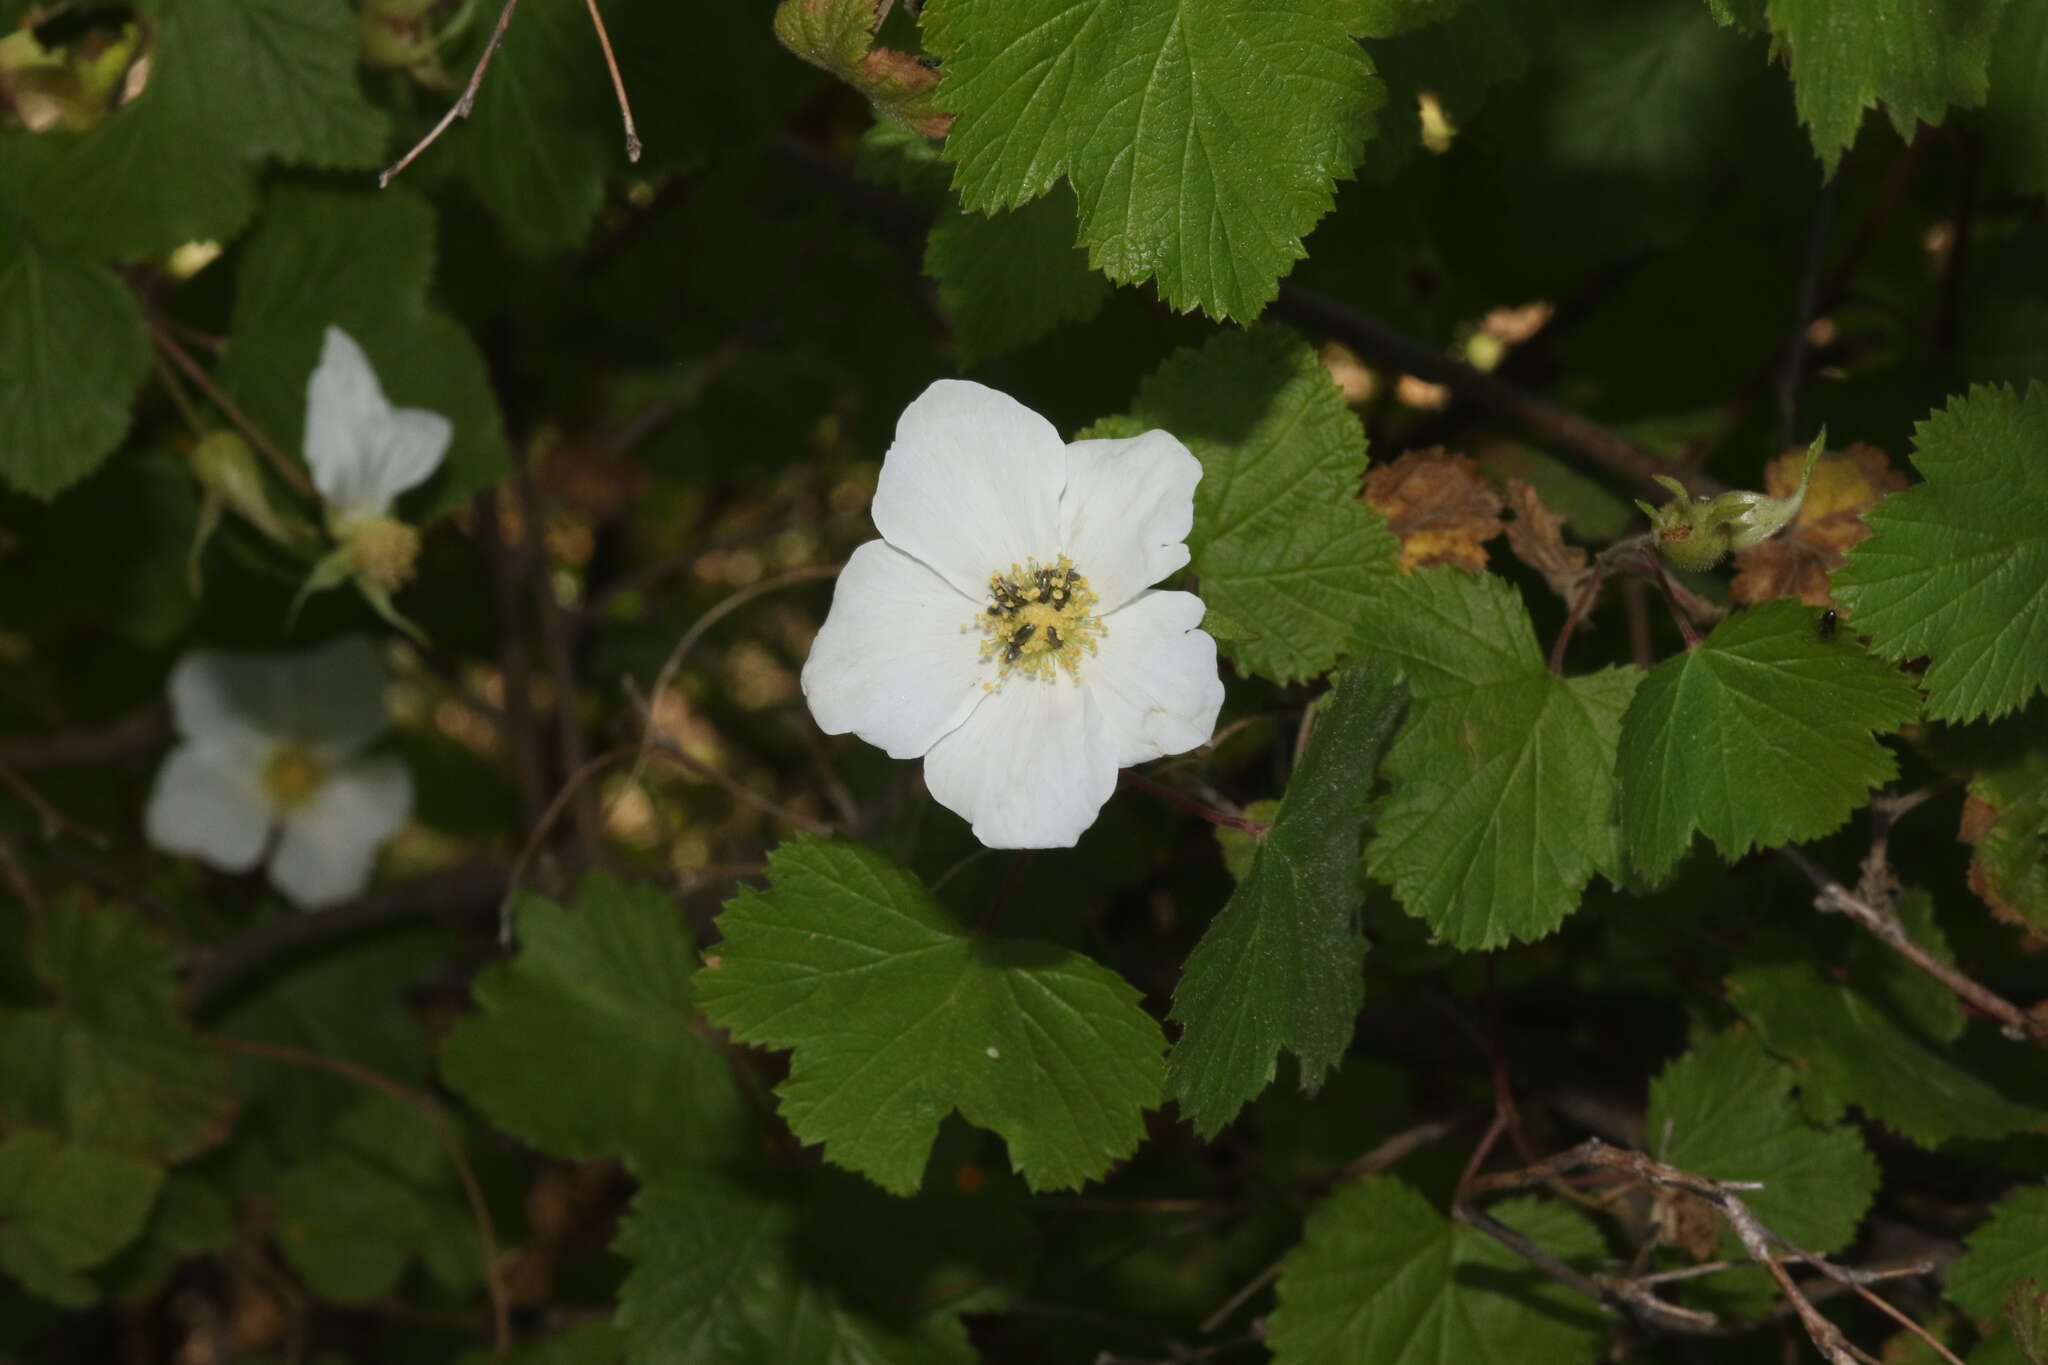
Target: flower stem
<point>1187,803</point>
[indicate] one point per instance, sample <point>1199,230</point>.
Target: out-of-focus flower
<point>1003,628</point>
<point>273,743</point>
<point>364,453</point>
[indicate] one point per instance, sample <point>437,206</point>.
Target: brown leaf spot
<point>1440,505</point>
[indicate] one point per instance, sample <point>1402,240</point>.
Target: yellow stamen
<point>1040,620</point>
<point>292,774</point>
<point>384,550</point>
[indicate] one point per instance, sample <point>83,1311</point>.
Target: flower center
<point>384,550</point>
<point>292,774</point>
<point>1040,619</point>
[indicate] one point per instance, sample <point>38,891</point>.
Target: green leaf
<point>759,1270</point>
<point>2011,867</point>
<point>898,1017</point>
<point>1009,278</point>
<point>592,1343</point>
<point>1282,965</point>
<point>65,1208</point>
<point>2011,1246</point>
<point>230,82</point>
<point>1957,568</point>
<point>72,355</point>
<point>1759,737</point>
<point>1280,537</point>
<point>361,262</point>
<point>1382,1277</point>
<point>2016,114</point>
<point>1918,59</point>
<point>538,145</point>
<point>1884,1040</point>
<point>1499,807</point>
<point>111,1062</point>
<point>1725,1110</point>
<point>189,1220</point>
<point>586,1045</point>
<point>1202,143</point>
<point>351,1219</point>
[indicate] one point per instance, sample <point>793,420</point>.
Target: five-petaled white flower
<point>275,742</point>
<point>1004,628</point>
<point>364,453</point>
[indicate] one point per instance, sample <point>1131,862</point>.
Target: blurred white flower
<point>274,742</point>
<point>364,453</point>
<point>1003,627</point>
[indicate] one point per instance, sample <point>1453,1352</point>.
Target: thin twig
<point>570,752</point>
<point>515,665</point>
<point>611,63</point>
<point>18,880</point>
<point>1835,898</point>
<point>538,836</point>
<point>52,821</point>
<point>654,742</point>
<point>286,468</point>
<point>444,1133</point>
<point>1793,372</point>
<point>129,735</point>
<point>461,107</point>
<point>1132,778</point>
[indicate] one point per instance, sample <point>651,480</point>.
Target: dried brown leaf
<point>1440,505</point>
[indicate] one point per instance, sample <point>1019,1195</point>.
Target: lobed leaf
<point>65,1208</point>
<point>1008,278</point>
<point>1282,965</point>
<point>897,1018</point>
<point>2011,1246</point>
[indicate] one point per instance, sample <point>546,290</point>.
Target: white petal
<point>1029,769</point>
<point>330,844</point>
<point>336,696</point>
<point>892,662</point>
<point>238,698</point>
<point>971,484</point>
<point>1154,678</point>
<point>1126,512</point>
<point>331,697</point>
<point>209,802</point>
<point>364,452</point>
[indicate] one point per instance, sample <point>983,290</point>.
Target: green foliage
<point>1762,706</point>
<point>1011,277</point>
<point>610,979</point>
<point>1917,59</point>
<point>1201,145</point>
<point>360,262</point>
<point>1725,1110</point>
<point>72,355</point>
<point>1957,568</point>
<point>1280,966</point>
<point>897,1017</point>
<point>1500,807</point>
<point>2010,1248</point>
<point>592,1343</point>
<point>1381,1276</point>
<point>65,1208</point>
<point>110,1061</point>
<point>1883,1040</point>
<point>1280,541</point>
<point>2012,852</point>
<point>2016,114</point>
<point>761,1271</point>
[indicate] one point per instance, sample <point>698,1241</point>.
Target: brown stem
<point>653,741</point>
<point>515,664</point>
<point>129,735</point>
<point>444,1133</point>
<point>1131,778</point>
<point>287,469</point>
<point>1890,930</point>
<point>570,752</point>
<point>611,63</point>
<point>461,107</point>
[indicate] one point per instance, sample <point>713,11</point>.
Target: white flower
<point>1003,629</point>
<point>275,741</point>
<point>364,453</point>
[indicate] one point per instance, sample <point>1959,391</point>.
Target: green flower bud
<point>226,468</point>
<point>1697,533</point>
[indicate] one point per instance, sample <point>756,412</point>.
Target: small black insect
<point>1826,626</point>
<point>1052,636</point>
<point>1017,643</point>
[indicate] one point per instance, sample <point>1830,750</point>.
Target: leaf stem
<point>461,107</point>
<point>168,346</point>
<point>1131,778</point>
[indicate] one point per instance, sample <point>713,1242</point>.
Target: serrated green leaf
<point>1280,537</point>
<point>2012,1245</point>
<point>1008,278</point>
<point>1917,59</point>
<point>361,262</point>
<point>537,149</point>
<point>350,1220</point>
<point>897,1017</point>
<point>2016,113</point>
<point>1759,737</point>
<point>2012,853</point>
<point>72,355</point>
<point>1877,1042</point>
<point>230,82</point>
<point>1282,965</point>
<point>112,1062</point>
<point>1725,1110</point>
<point>65,1208</point>
<point>1202,143</point>
<point>189,1220</point>
<point>585,1045</point>
<point>1500,797</point>
<point>1382,1278</point>
<point>758,1270</point>
<point>1957,568</point>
